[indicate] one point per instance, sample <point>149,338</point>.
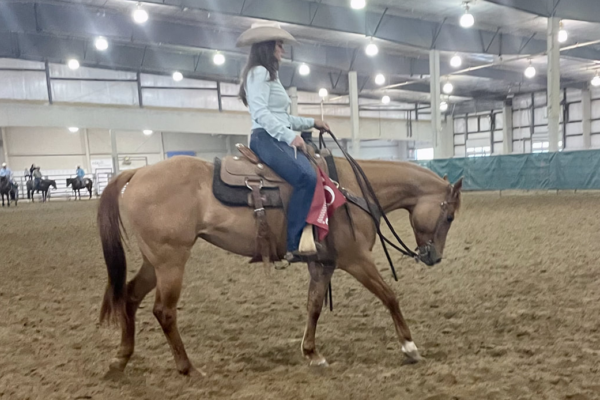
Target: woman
<point>273,138</point>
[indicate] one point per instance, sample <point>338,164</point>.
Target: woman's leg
<point>297,171</point>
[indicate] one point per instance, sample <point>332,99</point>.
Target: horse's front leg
<point>320,276</point>
<point>365,271</point>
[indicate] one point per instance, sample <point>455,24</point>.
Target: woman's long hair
<point>262,53</point>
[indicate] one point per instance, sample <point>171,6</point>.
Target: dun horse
<point>167,226</point>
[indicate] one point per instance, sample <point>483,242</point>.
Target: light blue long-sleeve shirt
<point>80,173</point>
<point>269,103</point>
<point>5,172</point>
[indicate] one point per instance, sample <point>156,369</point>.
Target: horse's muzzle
<point>429,255</point>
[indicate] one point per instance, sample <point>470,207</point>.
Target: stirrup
<point>307,245</point>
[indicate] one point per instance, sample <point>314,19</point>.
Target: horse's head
<point>53,184</point>
<point>431,218</point>
<point>69,180</point>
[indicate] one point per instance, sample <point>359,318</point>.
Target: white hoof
<point>411,351</point>
<point>321,362</point>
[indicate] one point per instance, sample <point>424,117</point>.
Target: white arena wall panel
<point>210,122</point>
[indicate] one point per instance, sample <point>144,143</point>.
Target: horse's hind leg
<point>169,278</point>
<point>366,273</point>
<point>137,289</point>
<point>320,276</point>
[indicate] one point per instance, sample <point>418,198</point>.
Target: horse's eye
<point>450,218</point>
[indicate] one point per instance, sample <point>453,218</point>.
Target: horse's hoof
<point>194,373</point>
<point>316,360</point>
<point>113,374</point>
<point>118,364</point>
<point>320,362</point>
<point>411,352</point>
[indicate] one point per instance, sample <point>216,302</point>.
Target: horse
<point>8,189</point>
<point>77,186</point>
<point>43,187</point>
<point>166,227</point>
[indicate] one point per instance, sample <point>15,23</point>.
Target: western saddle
<point>247,182</point>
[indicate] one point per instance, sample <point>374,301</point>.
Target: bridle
<point>426,248</point>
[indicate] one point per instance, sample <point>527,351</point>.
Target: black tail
<point>110,224</point>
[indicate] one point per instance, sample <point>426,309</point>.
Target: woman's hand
<point>322,125</point>
<point>299,143</point>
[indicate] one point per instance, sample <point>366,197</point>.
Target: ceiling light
<point>467,20</point>
<point>530,71</point>
<point>73,64</point>
<point>147,132</point>
<point>73,129</point>
<point>358,4</point>
<point>101,43</point>
<point>456,61</point>
<point>323,92</point>
<point>385,99</point>
<point>219,59</point>
<point>371,50</point>
<point>380,79</point>
<point>443,106</point>
<point>303,69</point>
<point>448,88</point>
<point>596,81</point>
<point>177,76</point>
<point>563,35</point>
<point>139,15</point>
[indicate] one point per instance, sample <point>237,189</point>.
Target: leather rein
<point>370,204</point>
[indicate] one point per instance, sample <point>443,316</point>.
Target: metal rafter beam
<point>151,60</point>
<point>581,10</point>
<point>403,30</point>
<point>78,25</point>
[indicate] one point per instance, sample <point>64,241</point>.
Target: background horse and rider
<point>9,189</point>
<point>43,187</point>
<point>79,184</point>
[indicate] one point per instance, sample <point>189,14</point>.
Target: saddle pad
<point>241,196</point>
<point>236,170</point>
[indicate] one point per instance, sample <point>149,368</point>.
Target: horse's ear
<point>446,177</point>
<point>457,186</point>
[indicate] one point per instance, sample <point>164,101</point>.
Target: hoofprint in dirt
<point>511,313</point>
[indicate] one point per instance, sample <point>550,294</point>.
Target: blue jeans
<point>298,172</point>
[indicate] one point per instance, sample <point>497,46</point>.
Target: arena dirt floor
<point>512,313</point>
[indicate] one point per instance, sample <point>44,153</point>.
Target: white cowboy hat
<point>264,32</point>
<point>4,164</point>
